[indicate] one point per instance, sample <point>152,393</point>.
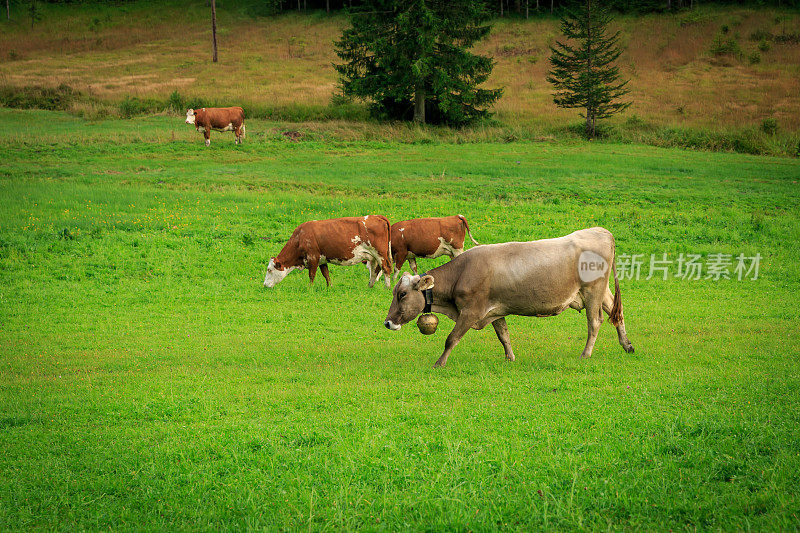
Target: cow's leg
<point>238,137</point>
<point>399,259</point>
<point>324,269</point>
<point>207,135</point>
<point>312,263</point>
<point>412,262</point>
<point>501,328</point>
<point>386,268</point>
<point>464,321</point>
<point>457,252</point>
<point>380,268</point>
<point>608,303</point>
<point>373,273</point>
<point>594,317</point>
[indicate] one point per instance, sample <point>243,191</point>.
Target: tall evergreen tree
<point>33,11</point>
<point>583,73</point>
<point>410,59</point>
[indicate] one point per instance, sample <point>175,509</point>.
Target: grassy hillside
<point>712,70</point>
<point>148,381</point>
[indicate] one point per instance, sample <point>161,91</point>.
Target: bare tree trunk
<point>527,9</point>
<point>214,27</point>
<point>501,8</point>
<point>327,6</point>
<point>419,105</point>
<point>589,103</point>
<point>551,7</point>
<point>8,10</point>
<point>298,5</point>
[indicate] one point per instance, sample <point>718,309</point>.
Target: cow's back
<point>535,277</point>
<point>336,238</point>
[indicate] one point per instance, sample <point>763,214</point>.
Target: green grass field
<point>148,381</point>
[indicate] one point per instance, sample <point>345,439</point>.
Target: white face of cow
<point>190,116</point>
<point>275,273</point>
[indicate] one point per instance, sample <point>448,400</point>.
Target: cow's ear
<point>424,283</point>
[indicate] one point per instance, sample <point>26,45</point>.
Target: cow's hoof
<point>628,348</point>
<point>438,364</point>
<point>510,358</point>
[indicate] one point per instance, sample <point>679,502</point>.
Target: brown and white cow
<point>218,119</point>
<point>338,241</point>
<point>428,237</point>
<point>539,278</point>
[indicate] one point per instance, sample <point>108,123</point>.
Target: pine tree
<point>410,59</point>
<point>33,11</point>
<point>583,73</point>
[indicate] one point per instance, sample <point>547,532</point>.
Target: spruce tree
<point>583,73</point>
<point>410,59</point>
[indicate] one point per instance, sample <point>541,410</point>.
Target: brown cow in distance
<point>337,241</point>
<point>218,119</point>
<point>428,237</point>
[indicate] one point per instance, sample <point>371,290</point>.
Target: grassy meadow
<point>148,381</point>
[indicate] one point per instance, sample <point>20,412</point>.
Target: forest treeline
<point>517,8</point>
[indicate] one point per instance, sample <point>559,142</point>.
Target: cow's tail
<point>466,226</point>
<point>615,316</point>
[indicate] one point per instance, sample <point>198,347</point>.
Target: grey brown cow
<point>428,237</point>
<point>217,119</point>
<point>539,278</point>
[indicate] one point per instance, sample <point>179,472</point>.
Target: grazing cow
<point>428,237</point>
<point>539,278</point>
<point>219,119</point>
<point>338,241</point>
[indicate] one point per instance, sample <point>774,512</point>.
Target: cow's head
<point>276,272</point>
<point>408,300</point>
<point>190,116</point>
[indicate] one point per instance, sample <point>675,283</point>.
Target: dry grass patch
<point>151,50</point>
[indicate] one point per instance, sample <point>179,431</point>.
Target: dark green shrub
<point>787,38</point>
<point>176,102</point>
<point>130,107</point>
<point>769,126</point>
<point>36,97</point>
<point>722,46</point>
